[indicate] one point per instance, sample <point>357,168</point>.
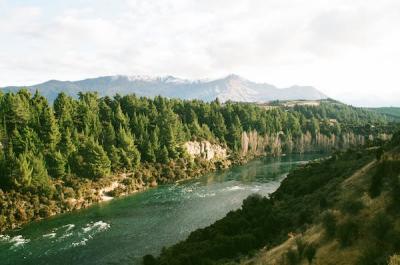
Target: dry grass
<point>394,260</point>
<point>329,252</point>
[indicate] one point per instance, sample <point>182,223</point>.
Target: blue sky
<point>347,49</point>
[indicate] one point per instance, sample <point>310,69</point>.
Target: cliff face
<point>206,150</point>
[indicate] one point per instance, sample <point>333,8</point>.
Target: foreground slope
<point>232,87</point>
<point>341,210</point>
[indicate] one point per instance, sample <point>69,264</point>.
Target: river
<point>121,231</point>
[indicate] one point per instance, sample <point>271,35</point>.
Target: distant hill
<point>391,112</point>
<point>232,87</point>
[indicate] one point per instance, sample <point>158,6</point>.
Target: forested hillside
<point>390,112</point>
<point>340,210</point>
<point>51,156</point>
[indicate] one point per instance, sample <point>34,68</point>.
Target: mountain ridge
<point>231,87</point>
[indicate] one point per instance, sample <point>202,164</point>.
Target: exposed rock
<point>104,191</point>
<point>206,150</point>
<point>153,183</point>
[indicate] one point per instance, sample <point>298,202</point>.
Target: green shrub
<point>372,254</point>
<point>329,224</point>
<point>310,252</point>
<point>301,246</point>
<point>292,257</point>
<point>352,207</point>
<point>380,226</point>
<point>347,232</point>
<point>376,183</point>
<point>149,260</point>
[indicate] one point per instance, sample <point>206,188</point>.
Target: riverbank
<point>19,208</point>
<point>147,221</point>
<point>334,193</point>
<point>72,193</point>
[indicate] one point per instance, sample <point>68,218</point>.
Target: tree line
<point>91,137</point>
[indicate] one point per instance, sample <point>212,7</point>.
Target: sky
<point>350,50</point>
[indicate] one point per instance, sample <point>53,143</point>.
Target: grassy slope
<point>376,233</point>
<point>346,208</point>
<point>295,208</point>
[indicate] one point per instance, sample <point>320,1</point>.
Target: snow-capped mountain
<point>231,87</point>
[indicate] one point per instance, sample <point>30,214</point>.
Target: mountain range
<point>231,87</point>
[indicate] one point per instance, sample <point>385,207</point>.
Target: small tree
<point>22,175</point>
<point>329,223</point>
<point>379,153</point>
<point>149,260</point>
<point>56,164</point>
<point>164,156</point>
<point>301,246</point>
<point>291,257</point>
<point>310,252</point>
<point>347,232</point>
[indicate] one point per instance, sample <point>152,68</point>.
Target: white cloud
<point>338,46</point>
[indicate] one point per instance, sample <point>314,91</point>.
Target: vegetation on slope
<point>52,158</point>
<point>390,112</point>
<point>341,210</point>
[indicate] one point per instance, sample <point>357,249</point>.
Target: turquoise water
<point>123,230</point>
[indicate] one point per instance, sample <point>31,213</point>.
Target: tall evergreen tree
<point>22,173</point>
<point>91,160</point>
<point>131,155</point>
<point>56,164</point>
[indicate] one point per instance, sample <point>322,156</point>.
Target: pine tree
<point>120,119</point>
<point>49,132</point>
<point>18,141</point>
<point>154,139</point>
<point>8,167</point>
<point>164,156</point>
<point>218,126</point>
<point>170,143</point>
<point>40,177</point>
<point>64,110</point>
<point>115,159</point>
<point>126,142</point>
<point>88,120</point>
<point>234,134</point>
<point>105,111</point>
<point>16,110</point>
<point>91,160</point>
<point>56,164</point>
<point>67,145</point>
<point>22,173</point>
<point>108,136</point>
<point>149,154</point>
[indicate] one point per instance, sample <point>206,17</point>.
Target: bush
<point>149,260</point>
<point>380,226</point>
<point>379,153</point>
<point>352,207</point>
<point>301,246</point>
<point>329,224</point>
<point>376,184</point>
<point>347,232</point>
<point>310,252</point>
<point>291,257</point>
<point>372,255</point>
